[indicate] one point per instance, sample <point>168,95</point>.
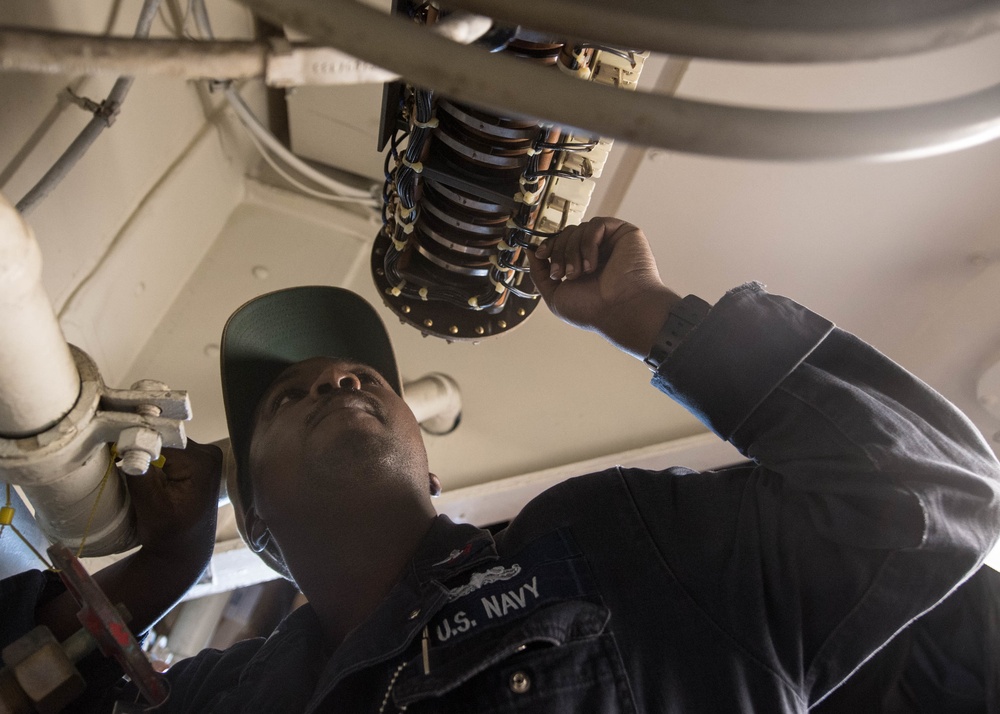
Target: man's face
<point>328,426</point>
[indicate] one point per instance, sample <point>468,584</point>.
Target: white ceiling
<point>907,255</point>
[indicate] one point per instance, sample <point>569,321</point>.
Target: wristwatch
<point>684,317</point>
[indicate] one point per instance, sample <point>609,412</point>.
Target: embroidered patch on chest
<point>546,571</point>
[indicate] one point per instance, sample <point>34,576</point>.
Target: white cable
<point>369,201</point>
<point>256,129</point>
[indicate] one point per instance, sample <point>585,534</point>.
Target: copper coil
<point>467,200</point>
<point>544,53</point>
<point>456,240</point>
<point>472,222</point>
<point>467,147</point>
<point>488,126</point>
<point>454,257</point>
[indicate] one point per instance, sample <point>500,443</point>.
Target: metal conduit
<point>501,84</point>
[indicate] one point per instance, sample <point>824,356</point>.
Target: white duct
<point>39,382</point>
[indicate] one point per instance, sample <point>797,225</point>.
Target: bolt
<point>135,462</point>
<point>453,329</point>
<point>502,324</point>
<point>149,385</point>
<point>405,309</point>
<point>429,322</point>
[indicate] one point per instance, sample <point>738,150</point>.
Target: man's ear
<point>257,533</point>
<point>435,485</point>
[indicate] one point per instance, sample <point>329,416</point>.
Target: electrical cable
<point>101,121</point>
<point>266,139</point>
<point>368,201</point>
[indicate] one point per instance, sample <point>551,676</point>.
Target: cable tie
<point>474,302</point>
<point>504,245</point>
<point>399,245</point>
<point>416,165</point>
<point>531,151</point>
<point>423,294</point>
<point>397,290</point>
<point>105,110</point>
<point>432,124</point>
<point>407,228</point>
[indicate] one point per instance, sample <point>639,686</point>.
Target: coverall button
<point>519,683</point>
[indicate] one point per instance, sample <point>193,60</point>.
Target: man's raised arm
<point>869,499</point>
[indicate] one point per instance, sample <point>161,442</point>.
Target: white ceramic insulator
<point>39,382</point>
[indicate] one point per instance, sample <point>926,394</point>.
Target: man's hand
<point>176,506</point>
<point>601,276</point>
<point>176,511</point>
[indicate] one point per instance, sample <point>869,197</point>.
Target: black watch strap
<point>684,317</point>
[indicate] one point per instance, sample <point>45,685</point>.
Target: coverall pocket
<point>558,659</point>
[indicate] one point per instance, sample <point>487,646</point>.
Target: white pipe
<point>195,624</point>
<point>52,52</point>
<point>39,382</point>
<point>435,401</point>
<point>67,509</point>
<point>505,84</point>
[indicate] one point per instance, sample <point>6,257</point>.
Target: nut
<point>43,671</point>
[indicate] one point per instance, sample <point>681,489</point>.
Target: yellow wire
<point>7,504</point>
<point>93,509</point>
<point>86,530</point>
<point>47,564</point>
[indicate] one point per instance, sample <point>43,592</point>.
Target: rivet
<point>453,329</point>
<point>519,683</point>
<point>405,309</point>
<point>428,322</point>
<point>521,312</point>
<point>415,614</point>
<point>502,324</point>
<point>480,330</point>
